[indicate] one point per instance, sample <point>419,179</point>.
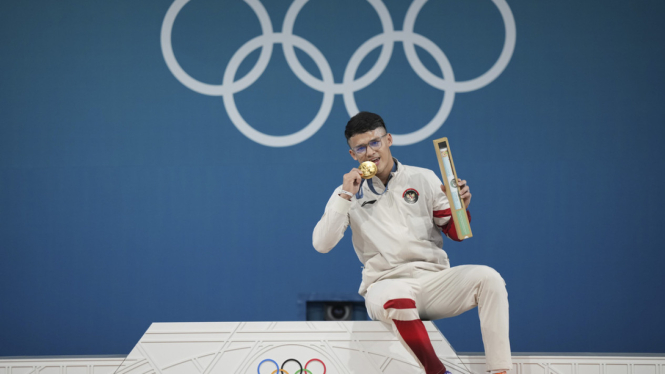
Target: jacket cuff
<point>341,205</point>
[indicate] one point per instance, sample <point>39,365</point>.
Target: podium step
<point>265,347</point>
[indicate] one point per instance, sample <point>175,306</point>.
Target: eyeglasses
<point>374,144</point>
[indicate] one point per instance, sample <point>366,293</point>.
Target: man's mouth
<point>375,160</point>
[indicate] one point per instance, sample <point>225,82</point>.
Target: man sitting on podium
<point>396,218</point>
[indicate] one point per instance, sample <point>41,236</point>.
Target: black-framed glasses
<point>375,144</point>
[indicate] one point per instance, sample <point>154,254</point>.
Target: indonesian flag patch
<point>410,195</point>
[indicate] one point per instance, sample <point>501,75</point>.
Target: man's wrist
<point>345,194</point>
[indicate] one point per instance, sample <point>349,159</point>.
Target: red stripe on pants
<point>400,304</point>
<point>415,336</point>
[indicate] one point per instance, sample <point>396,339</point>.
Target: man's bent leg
<point>413,333</point>
<point>453,291</point>
<point>393,301</point>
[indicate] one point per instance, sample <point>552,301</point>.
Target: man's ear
<point>389,139</point>
<point>353,154</point>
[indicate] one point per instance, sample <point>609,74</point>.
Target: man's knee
<point>386,296</point>
<point>390,289</point>
<point>489,277</point>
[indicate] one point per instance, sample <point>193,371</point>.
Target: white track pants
<point>448,293</point>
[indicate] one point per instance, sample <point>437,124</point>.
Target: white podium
<point>240,347</point>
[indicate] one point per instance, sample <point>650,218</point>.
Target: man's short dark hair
<point>362,123</point>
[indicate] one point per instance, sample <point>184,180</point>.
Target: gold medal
<point>368,169</point>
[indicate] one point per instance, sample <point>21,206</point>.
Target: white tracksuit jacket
<point>394,232</point>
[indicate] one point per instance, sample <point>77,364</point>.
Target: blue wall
<point>127,197</point>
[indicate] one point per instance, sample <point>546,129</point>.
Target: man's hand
<point>464,191</point>
<point>352,182</point>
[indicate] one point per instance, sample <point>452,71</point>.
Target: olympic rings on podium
<point>316,359</point>
<point>299,371</point>
<point>258,369</point>
<point>292,359</point>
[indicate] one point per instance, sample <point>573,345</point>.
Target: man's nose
<point>371,153</point>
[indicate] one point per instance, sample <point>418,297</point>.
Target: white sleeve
<point>330,228</point>
<point>441,207</point>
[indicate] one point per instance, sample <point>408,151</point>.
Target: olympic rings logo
<point>350,84</point>
<point>299,371</point>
